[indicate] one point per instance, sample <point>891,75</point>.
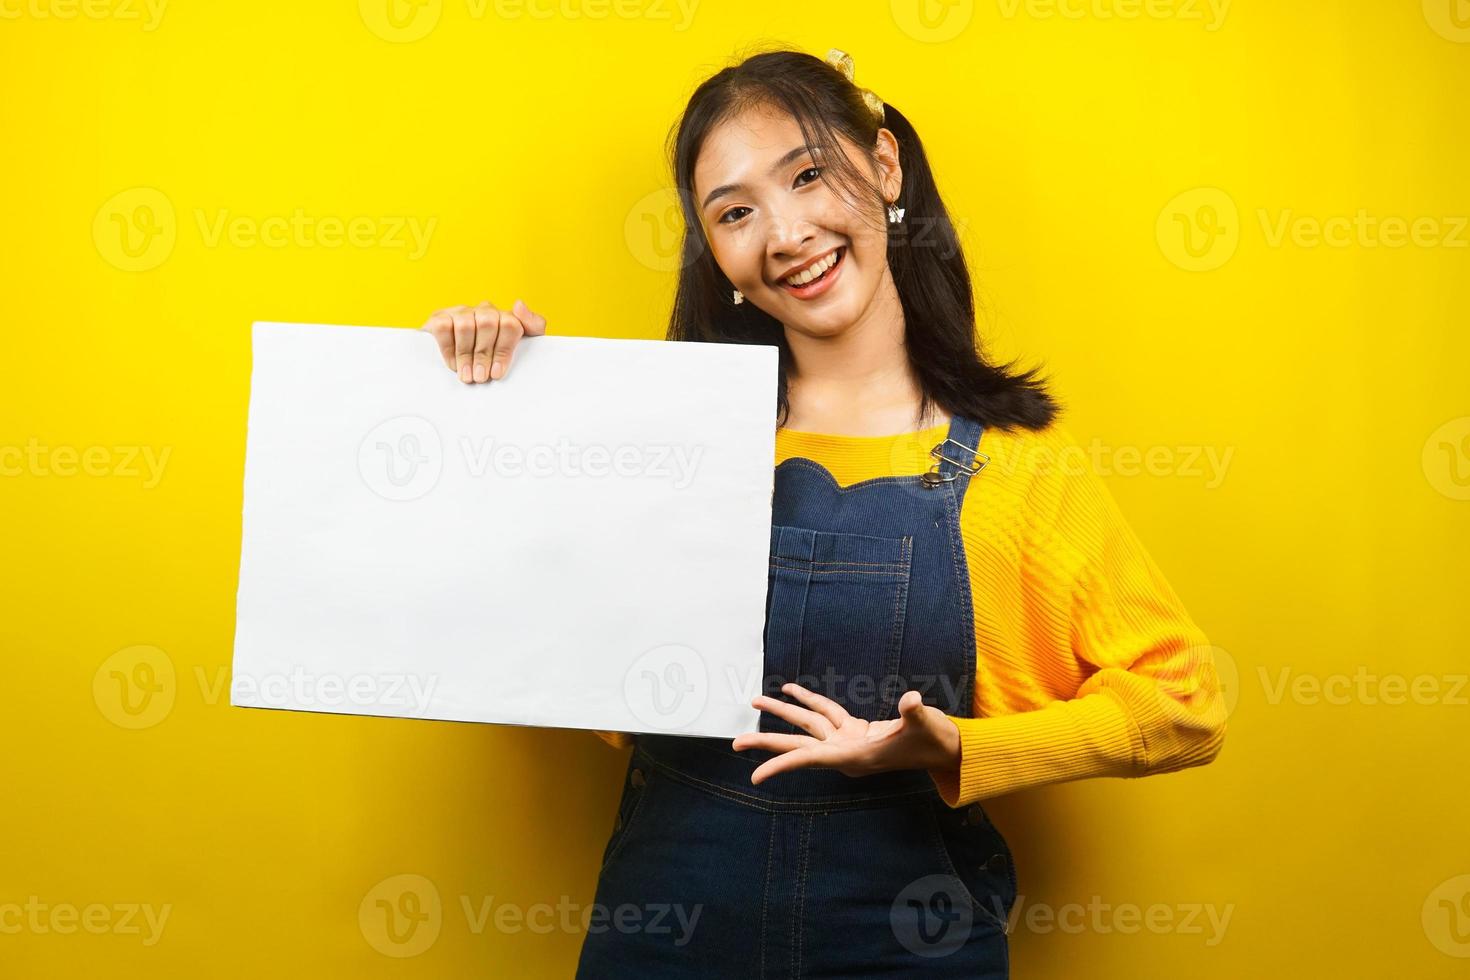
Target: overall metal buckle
<point>934,478</point>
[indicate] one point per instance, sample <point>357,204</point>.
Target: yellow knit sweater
<point>1087,663</point>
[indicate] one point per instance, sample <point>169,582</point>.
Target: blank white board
<point>581,544</point>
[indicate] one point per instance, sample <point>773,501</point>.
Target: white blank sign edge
<point>582,544</point>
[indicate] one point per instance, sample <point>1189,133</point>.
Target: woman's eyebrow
<point>790,156</point>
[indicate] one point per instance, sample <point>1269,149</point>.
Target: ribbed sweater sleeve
<point>1087,662</point>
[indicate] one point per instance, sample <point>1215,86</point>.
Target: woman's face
<point>767,212</point>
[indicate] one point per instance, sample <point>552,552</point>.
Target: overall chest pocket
<point>835,610</point>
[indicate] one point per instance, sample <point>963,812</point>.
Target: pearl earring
<point>739,297</point>
<point>895,213</point>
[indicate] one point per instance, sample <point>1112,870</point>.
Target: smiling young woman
<point>966,610</point>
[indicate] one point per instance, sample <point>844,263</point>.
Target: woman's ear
<point>890,174</point>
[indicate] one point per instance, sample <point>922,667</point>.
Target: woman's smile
<point>812,288</point>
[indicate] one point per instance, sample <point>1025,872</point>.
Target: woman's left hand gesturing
<point>921,737</point>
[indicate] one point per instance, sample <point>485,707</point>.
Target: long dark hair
<point>924,255</point>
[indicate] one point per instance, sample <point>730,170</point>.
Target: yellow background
<point>1076,144</point>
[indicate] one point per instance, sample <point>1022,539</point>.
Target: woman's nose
<point>787,235</point>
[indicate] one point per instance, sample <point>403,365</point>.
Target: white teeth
<point>807,275</point>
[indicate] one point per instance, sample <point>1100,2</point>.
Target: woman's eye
<point>726,218</point>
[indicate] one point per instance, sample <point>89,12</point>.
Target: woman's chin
<point>823,323</point>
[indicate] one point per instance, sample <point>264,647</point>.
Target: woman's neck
<point>858,382</point>
<point>875,404</point>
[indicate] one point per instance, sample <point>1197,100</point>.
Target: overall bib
<point>814,873</point>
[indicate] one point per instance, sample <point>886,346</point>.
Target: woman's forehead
<point>743,147</point>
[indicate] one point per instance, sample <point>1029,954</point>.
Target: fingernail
<point>464,373</point>
<point>496,370</point>
<point>480,374</point>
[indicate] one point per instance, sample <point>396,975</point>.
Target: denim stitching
<point>998,839</point>
<point>874,564</point>
<point>936,837</point>
<point>766,892</point>
<point>834,571</point>
<point>806,592</point>
<point>954,508</point>
<point>801,462</point>
<point>877,539</point>
<point>962,589</point>
<point>642,794</point>
<point>895,639</point>
<point>800,900</point>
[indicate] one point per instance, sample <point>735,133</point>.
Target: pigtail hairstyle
<point>924,254</point>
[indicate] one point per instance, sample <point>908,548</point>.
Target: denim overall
<point>814,873</point>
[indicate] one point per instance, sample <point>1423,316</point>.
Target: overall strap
<point>957,459</point>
